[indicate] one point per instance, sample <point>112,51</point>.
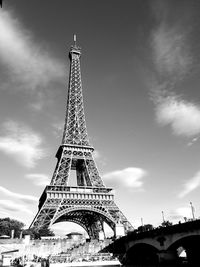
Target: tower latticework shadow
<point>90,203</point>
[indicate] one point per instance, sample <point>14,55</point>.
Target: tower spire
<point>74,39</point>
<point>75,131</point>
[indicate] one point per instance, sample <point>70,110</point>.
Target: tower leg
<point>119,230</point>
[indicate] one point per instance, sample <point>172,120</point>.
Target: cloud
<point>190,185</point>
<point>29,64</point>
<point>170,41</point>
<point>173,58</point>
<point>62,228</point>
<point>96,155</point>
<point>26,198</point>
<point>4,214</point>
<point>58,128</point>
<point>12,206</point>
<point>99,158</point>
<point>183,116</point>
<point>22,144</point>
<point>181,213</point>
<point>195,139</point>
<point>38,179</point>
<point>171,52</point>
<point>129,177</point>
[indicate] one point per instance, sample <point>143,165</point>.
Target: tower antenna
<point>74,39</point>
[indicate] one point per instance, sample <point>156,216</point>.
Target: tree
<point>7,225</point>
<point>166,224</point>
<point>45,231</point>
<point>37,233</point>
<point>144,228</point>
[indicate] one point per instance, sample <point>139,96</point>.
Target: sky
<point>140,68</point>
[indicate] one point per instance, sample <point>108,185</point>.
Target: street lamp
<point>163,216</point>
<point>192,209</point>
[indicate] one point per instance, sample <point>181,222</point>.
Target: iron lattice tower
<point>90,203</point>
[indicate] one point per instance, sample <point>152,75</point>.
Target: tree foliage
<point>144,228</point>
<point>166,224</point>
<point>38,233</point>
<point>7,225</point>
<point>46,232</point>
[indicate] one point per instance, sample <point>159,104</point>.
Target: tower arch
<point>85,217</point>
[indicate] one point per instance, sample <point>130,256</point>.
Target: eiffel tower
<point>90,203</point>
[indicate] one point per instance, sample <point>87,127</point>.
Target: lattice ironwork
<point>62,171</point>
<point>90,203</point>
<point>75,131</point>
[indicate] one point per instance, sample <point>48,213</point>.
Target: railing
<point>78,188</point>
<point>80,195</point>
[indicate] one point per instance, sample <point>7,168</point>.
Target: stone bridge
<point>160,245</point>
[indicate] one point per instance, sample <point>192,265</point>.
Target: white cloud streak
<point>195,139</point>
<point>30,66</point>
<point>128,177</point>
<point>22,144</point>
<point>26,198</point>
<point>38,179</point>
<point>190,185</point>
<point>4,214</point>
<point>13,206</point>
<point>184,117</point>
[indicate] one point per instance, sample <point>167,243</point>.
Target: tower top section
<point>75,132</point>
<point>74,48</point>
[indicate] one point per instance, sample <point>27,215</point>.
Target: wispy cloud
<point>173,60</point>
<point>4,214</point>
<point>30,65</point>
<point>21,143</point>
<point>128,177</point>
<point>99,158</point>
<point>183,116</point>
<point>26,198</point>
<point>38,179</point>
<point>12,206</point>
<point>96,154</point>
<point>58,129</point>
<point>171,52</point>
<point>193,141</point>
<point>190,185</point>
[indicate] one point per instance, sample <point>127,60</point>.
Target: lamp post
<point>163,216</point>
<point>192,209</point>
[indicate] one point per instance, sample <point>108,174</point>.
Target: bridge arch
<point>190,243</point>
<point>141,253</point>
<point>180,237</point>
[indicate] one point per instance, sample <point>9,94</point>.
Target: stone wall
<point>41,248</point>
